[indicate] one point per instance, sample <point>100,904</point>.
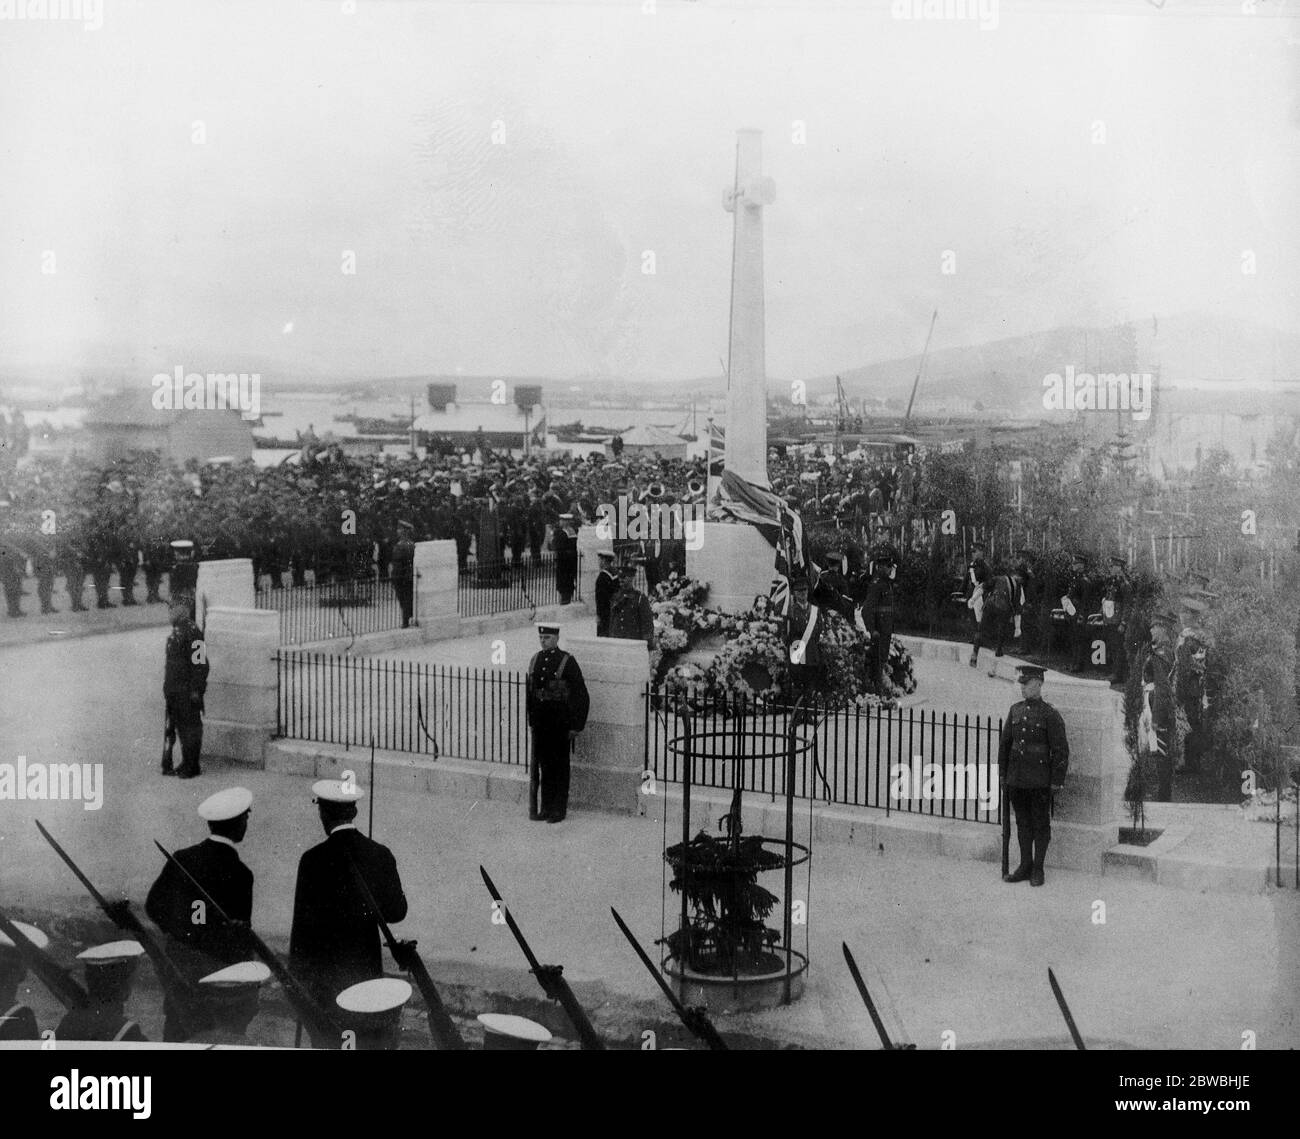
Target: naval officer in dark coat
<point>606,587</point>
<point>17,1021</point>
<point>558,704</point>
<point>334,941</point>
<point>1033,758</point>
<point>199,940</point>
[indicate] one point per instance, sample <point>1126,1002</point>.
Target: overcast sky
<point>373,132</point>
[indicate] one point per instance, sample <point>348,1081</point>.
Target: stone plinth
<point>589,565</point>
<point>242,684</point>
<point>435,590</point>
<point>227,583</point>
<point>609,754</point>
<point>1090,807</point>
<point>736,563</point>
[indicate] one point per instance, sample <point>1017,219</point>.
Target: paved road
<point>953,947</point>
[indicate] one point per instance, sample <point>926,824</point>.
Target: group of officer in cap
<point>622,610</point>
<point>202,901</point>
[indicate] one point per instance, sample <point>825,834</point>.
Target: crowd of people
<point>338,516</point>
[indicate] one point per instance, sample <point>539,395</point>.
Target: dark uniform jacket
<point>183,676</point>
<point>1033,752</point>
<point>977,573</point>
<point>19,1023</point>
<point>97,1024</point>
<point>334,938</point>
<point>631,618</point>
<point>606,587</point>
<point>547,704</point>
<point>201,948</point>
<point>403,563</point>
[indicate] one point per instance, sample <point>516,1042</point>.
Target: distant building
<point>127,421</point>
<point>651,441</point>
<point>504,427</point>
<point>1188,424</point>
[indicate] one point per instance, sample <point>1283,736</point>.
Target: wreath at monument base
<point>752,666</point>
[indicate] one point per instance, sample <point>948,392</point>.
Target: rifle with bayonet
<point>696,1019</point>
<point>550,977</point>
<point>441,1026</point>
<point>169,741</point>
<point>889,1045</point>
<point>1065,1010</point>
<point>319,1022</point>
<point>1005,805</point>
<point>181,991</point>
<point>54,976</point>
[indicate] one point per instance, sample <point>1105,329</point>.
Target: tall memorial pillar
<point>734,559</point>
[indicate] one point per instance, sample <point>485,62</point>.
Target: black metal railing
<point>344,609</point>
<point>901,759</point>
<point>428,709</point>
<point>506,586</point>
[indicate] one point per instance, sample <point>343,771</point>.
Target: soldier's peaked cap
<point>226,805</point>
<point>379,1001</point>
<point>1026,554</point>
<point>335,791</point>
<point>502,1031</point>
<point>605,554</point>
<point>1030,672</point>
<point>1116,560</point>
<point>34,935</point>
<point>244,974</point>
<point>549,630</point>
<point>113,953</point>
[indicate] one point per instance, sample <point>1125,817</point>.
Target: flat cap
<point>226,805</point>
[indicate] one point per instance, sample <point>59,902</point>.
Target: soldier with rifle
<point>17,1021</point>
<point>110,970</point>
<point>185,680</point>
<point>1033,758</point>
<point>176,987</point>
<point>333,941</point>
<point>324,1027</point>
<point>231,997</point>
<point>557,705</point>
<point>199,940</point>
<point>550,977</point>
<point>28,945</point>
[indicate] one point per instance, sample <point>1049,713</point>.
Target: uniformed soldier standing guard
<point>402,572</point>
<point>183,579</point>
<point>1075,603</point>
<point>110,969</point>
<point>878,612</point>
<point>1159,697</point>
<point>334,941</point>
<point>198,939</point>
<point>184,683</point>
<point>558,704</point>
<point>17,1021</point>
<point>1116,601</point>
<point>565,544</point>
<point>1033,759</point>
<point>606,585</point>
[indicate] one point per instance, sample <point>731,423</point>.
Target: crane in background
<point>920,368</point>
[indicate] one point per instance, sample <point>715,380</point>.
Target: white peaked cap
<point>111,953</point>
<point>225,805</point>
<point>383,994</point>
<point>518,1027</point>
<point>336,791</point>
<point>34,935</point>
<point>243,973</point>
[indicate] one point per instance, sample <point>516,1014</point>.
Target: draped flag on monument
<point>744,501</point>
